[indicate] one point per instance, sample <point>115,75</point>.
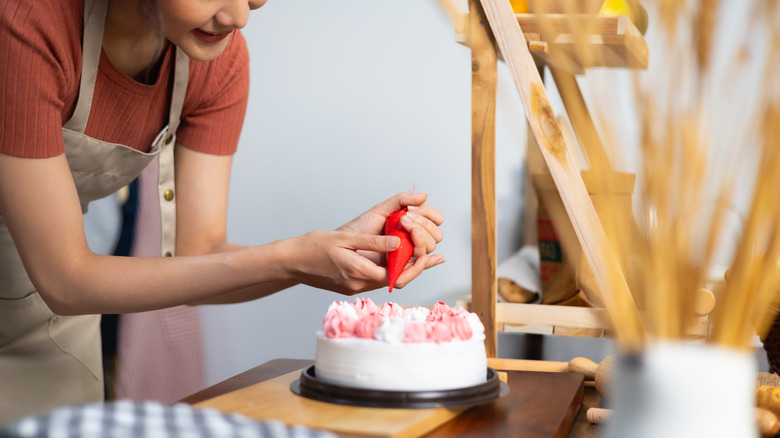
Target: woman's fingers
<point>414,270</point>
<point>426,211</point>
<point>424,232</point>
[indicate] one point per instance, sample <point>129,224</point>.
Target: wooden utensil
<point>598,372</point>
<point>768,392</point>
<point>767,423</point>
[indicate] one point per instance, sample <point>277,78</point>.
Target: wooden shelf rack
<point>488,30</point>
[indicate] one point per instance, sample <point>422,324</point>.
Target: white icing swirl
<point>476,324</point>
<point>391,330</point>
<point>416,314</point>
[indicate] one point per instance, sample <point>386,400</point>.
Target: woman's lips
<point>208,37</point>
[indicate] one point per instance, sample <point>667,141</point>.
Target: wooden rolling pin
<point>767,423</point>
<point>598,372</point>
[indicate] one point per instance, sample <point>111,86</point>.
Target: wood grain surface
<point>274,400</point>
<point>539,404</point>
<point>483,174</point>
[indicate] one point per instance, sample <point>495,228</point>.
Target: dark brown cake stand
<point>310,387</point>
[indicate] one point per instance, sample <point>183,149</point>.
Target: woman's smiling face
<point>202,28</point>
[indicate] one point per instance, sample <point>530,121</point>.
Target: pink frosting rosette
<point>439,311</point>
<point>415,332</point>
<point>339,322</point>
<point>438,332</point>
<point>458,311</point>
<point>366,326</point>
<point>364,306</point>
<point>392,311</point>
<point>460,327</point>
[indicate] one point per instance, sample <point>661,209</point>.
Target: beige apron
<point>48,360</point>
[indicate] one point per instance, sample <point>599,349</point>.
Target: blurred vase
<point>683,390</point>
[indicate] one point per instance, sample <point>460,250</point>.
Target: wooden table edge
<point>265,371</point>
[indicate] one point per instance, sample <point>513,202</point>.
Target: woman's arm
<point>40,206</point>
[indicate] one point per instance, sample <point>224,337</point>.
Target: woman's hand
<point>422,222</point>
<point>335,260</point>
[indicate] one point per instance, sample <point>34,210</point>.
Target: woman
<point>93,92</point>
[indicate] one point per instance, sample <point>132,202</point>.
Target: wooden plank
<point>565,6</point>
<point>578,332</point>
<point>556,330</point>
<point>483,199</point>
<point>605,50</point>
<point>625,53</point>
<point>528,365</point>
<point>542,314</point>
<point>603,40</point>
<point>599,41</point>
<point>510,40</point>
<point>528,329</point>
<point>542,318</point>
<point>274,400</point>
<point>551,25</point>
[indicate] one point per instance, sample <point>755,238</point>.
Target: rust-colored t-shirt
<point>40,70</point>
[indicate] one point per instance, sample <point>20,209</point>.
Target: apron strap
<point>181,77</point>
<point>92,45</point>
<point>166,176</point>
<point>94,22</point>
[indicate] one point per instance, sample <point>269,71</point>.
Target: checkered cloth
<point>127,419</point>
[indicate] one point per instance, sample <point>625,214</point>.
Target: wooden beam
<point>550,315</point>
<point>483,199</point>
<point>602,40</point>
<point>620,304</point>
<point>552,25</point>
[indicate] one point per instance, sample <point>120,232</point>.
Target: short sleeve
<point>215,106</point>
<point>39,52</point>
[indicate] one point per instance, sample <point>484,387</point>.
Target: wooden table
<point>503,418</point>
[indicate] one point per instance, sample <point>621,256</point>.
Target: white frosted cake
<point>395,349</point>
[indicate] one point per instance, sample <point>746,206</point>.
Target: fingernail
<point>393,242</point>
<point>410,208</point>
<point>408,219</point>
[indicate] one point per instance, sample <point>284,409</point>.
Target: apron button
<point>168,195</point>
<point>168,254</point>
<point>54,319</point>
<point>168,138</point>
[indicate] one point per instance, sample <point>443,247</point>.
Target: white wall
<point>351,102</point>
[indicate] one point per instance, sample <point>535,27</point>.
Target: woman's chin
<point>202,51</point>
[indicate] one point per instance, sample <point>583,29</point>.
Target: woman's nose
<point>235,13</point>
<point>254,4</point>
